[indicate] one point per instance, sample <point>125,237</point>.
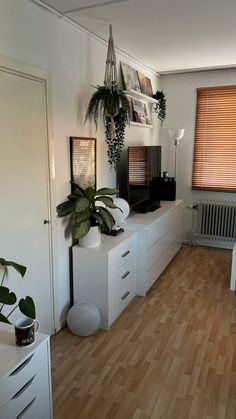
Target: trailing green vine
<point>160,107</point>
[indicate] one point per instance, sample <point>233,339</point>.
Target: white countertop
<point>108,242</point>
<point>151,217</point>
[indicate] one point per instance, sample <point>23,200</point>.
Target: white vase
<point>92,238</point>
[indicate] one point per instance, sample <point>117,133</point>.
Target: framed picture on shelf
<point>140,114</point>
<point>145,84</point>
<point>83,161</point>
<point>130,77</point>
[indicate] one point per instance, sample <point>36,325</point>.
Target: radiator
<point>215,222</point>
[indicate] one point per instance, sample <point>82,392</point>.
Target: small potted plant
<point>160,107</point>
<point>7,297</point>
<point>89,209</point>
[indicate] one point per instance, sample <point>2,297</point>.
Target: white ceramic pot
<point>92,238</point>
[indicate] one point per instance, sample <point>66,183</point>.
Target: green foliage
<point>26,305</point>
<point>110,104</point>
<point>160,107</point>
<point>86,210</point>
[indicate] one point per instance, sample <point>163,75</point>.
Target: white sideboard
<point>25,377</point>
<point>159,239</point>
<point>106,275</point>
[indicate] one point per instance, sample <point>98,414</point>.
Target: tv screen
<point>138,166</point>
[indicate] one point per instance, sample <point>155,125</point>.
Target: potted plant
<point>7,297</point>
<point>110,103</point>
<point>90,218</point>
<point>160,107</point>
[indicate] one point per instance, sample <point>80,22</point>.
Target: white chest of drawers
<point>25,377</point>
<point>159,239</point>
<point>106,275</point>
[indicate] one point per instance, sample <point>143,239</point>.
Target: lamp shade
<point>176,134</point>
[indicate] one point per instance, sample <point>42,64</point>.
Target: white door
<point>24,190</point>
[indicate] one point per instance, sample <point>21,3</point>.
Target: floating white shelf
<point>139,95</point>
<point>139,124</point>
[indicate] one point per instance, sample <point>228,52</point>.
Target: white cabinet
<point>25,377</point>
<point>106,275</point>
<point>159,239</point>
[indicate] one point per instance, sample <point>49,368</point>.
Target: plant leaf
<point>27,307</point>
<point>82,204</point>
<point>65,208</point>
<point>4,319</point>
<point>106,191</point>
<point>89,193</point>
<point>82,216</point>
<point>106,217</point>
<point>107,201</point>
<point>77,189</point>
<point>19,268</point>
<point>7,297</point>
<point>82,229</point>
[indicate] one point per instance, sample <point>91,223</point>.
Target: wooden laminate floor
<point>171,355</point>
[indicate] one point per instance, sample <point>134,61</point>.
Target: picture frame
<point>83,161</point>
<point>130,77</point>
<point>145,84</point>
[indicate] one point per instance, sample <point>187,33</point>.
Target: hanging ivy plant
<point>160,107</point>
<point>110,104</point>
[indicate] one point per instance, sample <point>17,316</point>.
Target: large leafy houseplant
<point>110,103</point>
<point>7,297</point>
<point>87,211</point>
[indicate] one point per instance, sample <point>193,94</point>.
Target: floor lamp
<point>176,135</point>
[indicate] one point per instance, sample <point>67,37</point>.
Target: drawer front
<point>164,225</point>
<point>122,288</point>
<point>121,254</point>
<point>159,248</point>
<point>158,267</point>
<point>32,401</point>
<point>10,385</point>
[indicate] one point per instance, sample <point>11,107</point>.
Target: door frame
<point>14,66</point>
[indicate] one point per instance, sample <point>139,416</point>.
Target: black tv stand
<point>147,206</point>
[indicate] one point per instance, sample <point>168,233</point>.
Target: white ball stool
<point>83,319</point>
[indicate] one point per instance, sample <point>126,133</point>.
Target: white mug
<point>25,331</point>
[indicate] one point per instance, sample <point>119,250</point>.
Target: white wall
<point>180,90</point>
<point>76,61</point>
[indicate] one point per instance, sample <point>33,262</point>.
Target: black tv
<point>138,166</point>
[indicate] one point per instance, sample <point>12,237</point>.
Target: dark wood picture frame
<point>83,161</point>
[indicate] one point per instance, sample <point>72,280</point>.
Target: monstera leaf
<point>3,319</point>
<point>19,268</point>
<point>27,307</point>
<point>7,297</point>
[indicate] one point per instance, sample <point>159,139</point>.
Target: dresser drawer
<point>121,254</point>
<point>122,288</point>
<point>35,393</point>
<point>160,247</point>
<point>11,385</point>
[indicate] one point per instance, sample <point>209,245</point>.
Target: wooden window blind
<point>214,161</point>
<point>138,166</point>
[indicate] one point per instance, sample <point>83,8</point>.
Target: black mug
<point>25,331</point>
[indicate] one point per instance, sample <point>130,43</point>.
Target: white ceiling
<point>165,35</point>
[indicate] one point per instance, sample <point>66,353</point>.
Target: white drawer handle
<point>18,394</point>
<point>125,295</point>
<point>125,253</point>
<point>18,369</point>
<point>26,408</point>
<point>125,274</point>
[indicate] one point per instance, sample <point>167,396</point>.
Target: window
<point>214,162</point>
